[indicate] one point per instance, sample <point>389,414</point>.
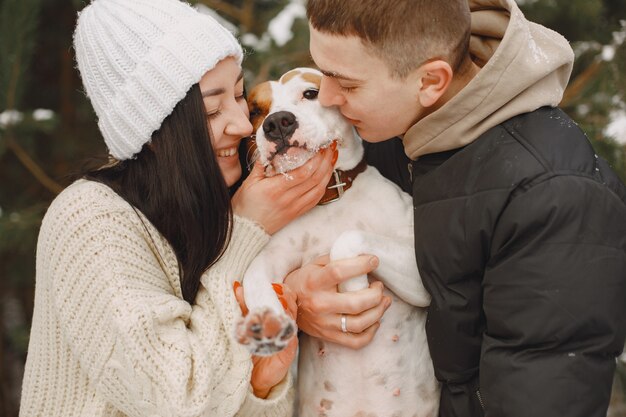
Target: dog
<point>362,213</point>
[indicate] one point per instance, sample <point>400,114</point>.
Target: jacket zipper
<point>480,399</point>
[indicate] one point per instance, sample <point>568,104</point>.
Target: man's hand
<point>320,306</point>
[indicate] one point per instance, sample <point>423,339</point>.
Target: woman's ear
<point>434,79</point>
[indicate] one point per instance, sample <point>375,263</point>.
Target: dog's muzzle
<point>280,126</point>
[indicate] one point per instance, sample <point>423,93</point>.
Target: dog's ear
<point>259,103</point>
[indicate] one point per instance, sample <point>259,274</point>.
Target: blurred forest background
<point>47,126</point>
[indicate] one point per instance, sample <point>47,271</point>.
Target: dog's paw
<point>264,332</point>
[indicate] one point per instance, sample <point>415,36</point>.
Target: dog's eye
<point>310,94</point>
<point>254,112</point>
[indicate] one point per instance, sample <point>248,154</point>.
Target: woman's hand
<point>275,201</point>
<point>268,371</point>
<point>320,306</point>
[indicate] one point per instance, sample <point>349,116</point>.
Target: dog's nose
<point>280,125</point>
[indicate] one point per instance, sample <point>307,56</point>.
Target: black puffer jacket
<point>521,240</point>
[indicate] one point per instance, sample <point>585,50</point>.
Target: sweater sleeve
<point>243,247</point>
<point>554,292</point>
<point>278,403</point>
<point>145,350</point>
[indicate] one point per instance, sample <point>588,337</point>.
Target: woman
<point>134,307</point>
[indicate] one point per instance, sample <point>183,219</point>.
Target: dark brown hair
<point>403,33</point>
<point>176,182</point>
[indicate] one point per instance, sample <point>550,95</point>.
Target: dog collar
<point>340,182</point>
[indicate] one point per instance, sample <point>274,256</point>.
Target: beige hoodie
<point>526,66</point>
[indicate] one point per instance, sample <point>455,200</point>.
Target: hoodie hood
<point>524,66</point>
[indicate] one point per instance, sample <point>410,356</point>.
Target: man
<point>520,228</point>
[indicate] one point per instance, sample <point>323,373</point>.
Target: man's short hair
<point>403,33</point>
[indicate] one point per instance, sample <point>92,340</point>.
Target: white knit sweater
<point>111,334</point>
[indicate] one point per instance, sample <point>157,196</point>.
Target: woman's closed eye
<point>213,114</point>
<point>217,112</point>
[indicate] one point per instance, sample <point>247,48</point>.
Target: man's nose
<point>329,94</point>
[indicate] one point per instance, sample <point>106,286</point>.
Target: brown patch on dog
<point>288,76</point>
<point>305,242</point>
<point>313,78</point>
<point>321,351</point>
<point>259,103</point>
<point>326,404</point>
<point>328,386</point>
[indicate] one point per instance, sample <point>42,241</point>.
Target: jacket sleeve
<point>145,350</point>
<point>554,291</point>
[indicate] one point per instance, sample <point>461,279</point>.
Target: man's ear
<point>434,79</point>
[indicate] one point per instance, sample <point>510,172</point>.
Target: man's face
<point>360,84</point>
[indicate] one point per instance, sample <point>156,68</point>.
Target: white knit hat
<point>138,59</point>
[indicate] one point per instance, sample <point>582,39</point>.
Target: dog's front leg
<point>397,268</point>
<point>271,266</point>
<point>267,329</point>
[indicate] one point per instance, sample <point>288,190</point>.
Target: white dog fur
<point>392,376</point>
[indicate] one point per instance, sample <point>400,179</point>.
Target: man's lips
<point>352,121</point>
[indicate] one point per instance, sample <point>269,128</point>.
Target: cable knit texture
<point>111,333</point>
<point>138,59</point>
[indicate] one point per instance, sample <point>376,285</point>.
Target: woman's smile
<point>227,152</point>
